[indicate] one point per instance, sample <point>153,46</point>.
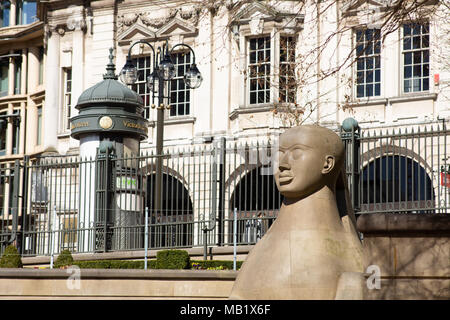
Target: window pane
<point>416,43</point>
<point>377,75</point>
<point>407,58</point>
<point>360,64</point>
<point>5,9</point>
<point>426,56</point>
<point>426,84</point>
<point>360,91</point>
<point>252,97</point>
<point>425,41</point>
<point>408,71</point>
<point>369,90</point>
<point>425,70</point>
<point>417,57</point>
<point>407,85</point>
<point>369,76</point>
<point>359,49</point>
<point>29,12</point>
<point>377,89</point>
<point>407,43</point>
<point>417,85</point>
<point>406,30</point>
<point>261,97</point>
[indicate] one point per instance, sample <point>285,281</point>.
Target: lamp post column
<point>159,144</point>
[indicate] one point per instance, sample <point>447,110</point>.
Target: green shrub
<point>11,258</point>
<point>114,264</point>
<point>64,259</point>
<point>172,259</point>
<point>215,264</point>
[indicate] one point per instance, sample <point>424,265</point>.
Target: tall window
<point>368,63</point>
<point>39,126</point>
<point>259,70</point>
<point>179,94</point>
<point>416,57</point>
<point>4,67</point>
<point>16,133</point>
<point>143,66</point>
<point>3,129</point>
<point>67,97</point>
<point>287,89</point>
<point>17,74</point>
<point>26,11</point>
<point>5,9</point>
<point>41,65</point>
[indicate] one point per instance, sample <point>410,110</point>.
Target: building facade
<point>266,65</point>
<point>22,93</point>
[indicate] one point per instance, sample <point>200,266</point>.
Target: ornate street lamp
<point>163,71</point>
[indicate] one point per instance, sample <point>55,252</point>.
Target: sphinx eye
<point>296,153</point>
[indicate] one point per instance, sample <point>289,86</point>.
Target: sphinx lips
<point>285,179</point>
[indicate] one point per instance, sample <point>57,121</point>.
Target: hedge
<point>114,264</point>
<point>215,264</point>
<point>172,259</point>
<point>64,259</point>
<point>11,258</point>
<point>119,264</point>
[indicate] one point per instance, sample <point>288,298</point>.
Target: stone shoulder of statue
<point>312,250</point>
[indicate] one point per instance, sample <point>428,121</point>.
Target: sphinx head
<point>310,157</point>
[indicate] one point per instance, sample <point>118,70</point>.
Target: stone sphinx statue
<point>312,250</point>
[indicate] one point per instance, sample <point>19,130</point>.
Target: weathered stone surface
<point>309,247</point>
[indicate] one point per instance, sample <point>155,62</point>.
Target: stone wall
<point>412,252</point>
<point>115,284</point>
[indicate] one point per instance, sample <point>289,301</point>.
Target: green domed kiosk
<point>110,126</point>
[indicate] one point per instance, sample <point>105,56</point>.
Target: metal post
<point>234,238</point>
<point>159,144</point>
<point>146,238</point>
<point>52,236</point>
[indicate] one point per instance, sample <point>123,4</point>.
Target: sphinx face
<point>301,159</point>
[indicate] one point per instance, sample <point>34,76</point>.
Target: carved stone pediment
<point>257,13</point>
<point>180,20</point>
<point>137,31</point>
<point>176,27</point>
<point>364,7</point>
<point>255,10</point>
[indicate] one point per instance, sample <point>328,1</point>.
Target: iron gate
<point>98,204</point>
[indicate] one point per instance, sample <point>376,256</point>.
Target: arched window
<point>257,200</point>
<point>395,183</point>
<point>173,225</point>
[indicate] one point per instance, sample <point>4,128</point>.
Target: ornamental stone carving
<point>148,19</point>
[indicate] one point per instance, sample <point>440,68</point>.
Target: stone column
<point>12,13</point>
<point>24,75</point>
<point>33,69</point>
<point>77,73</point>
<point>11,75</point>
<point>52,108</point>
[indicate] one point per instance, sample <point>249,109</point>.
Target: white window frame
<point>180,79</point>
<point>412,50</point>
<point>144,66</point>
<point>291,64</point>
<point>257,64</point>
<point>66,99</point>
<point>372,55</point>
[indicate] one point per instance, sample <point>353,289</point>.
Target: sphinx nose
<point>283,164</point>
